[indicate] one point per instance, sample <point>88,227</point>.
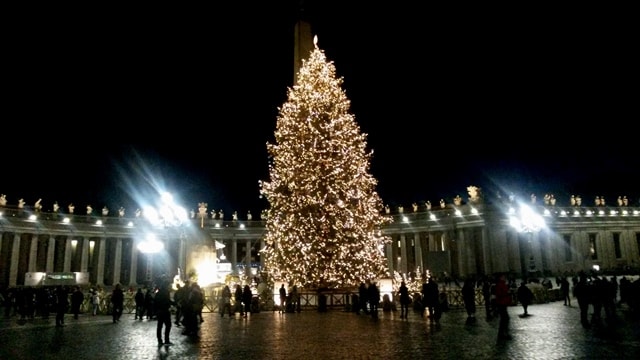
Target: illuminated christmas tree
<point>324,220</point>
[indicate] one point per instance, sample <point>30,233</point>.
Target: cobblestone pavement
<point>552,331</point>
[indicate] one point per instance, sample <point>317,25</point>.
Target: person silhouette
<point>373,294</point>
<point>162,306</point>
<point>405,300</point>
<point>469,299</point>
<point>503,300</point>
<point>283,298</point>
<point>525,297</point>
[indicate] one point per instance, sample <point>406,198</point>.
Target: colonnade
<point>457,241</point>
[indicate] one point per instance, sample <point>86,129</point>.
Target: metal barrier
<point>335,300</point>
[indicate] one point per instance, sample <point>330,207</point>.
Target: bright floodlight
<point>151,245</point>
<point>168,213</point>
<point>528,220</point>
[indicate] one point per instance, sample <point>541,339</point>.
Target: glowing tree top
<point>324,220</point>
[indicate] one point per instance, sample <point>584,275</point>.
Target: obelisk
<point>303,41</point>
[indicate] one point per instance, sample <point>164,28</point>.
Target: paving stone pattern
<point>553,331</point>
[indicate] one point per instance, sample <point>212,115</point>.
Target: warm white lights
<point>528,221</point>
<point>150,245</point>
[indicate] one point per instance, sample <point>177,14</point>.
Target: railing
<point>309,301</point>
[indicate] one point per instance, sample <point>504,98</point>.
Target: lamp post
<point>168,215</point>
<point>527,221</point>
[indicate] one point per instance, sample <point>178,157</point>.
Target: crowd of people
<point>597,298</point>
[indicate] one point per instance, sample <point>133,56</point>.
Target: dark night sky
<point>104,108</point>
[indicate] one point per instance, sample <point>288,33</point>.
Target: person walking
<point>162,305</point>
<point>487,296</point>
<point>178,298</point>
<point>62,304</point>
<point>283,298</point>
<point>95,302</point>
<point>148,303</point>
<point>294,297</point>
<point>363,298</point>
<point>525,297</point>
<point>503,300</point>
<point>373,294</point>
<point>225,301</point>
<point>247,296</point>
<point>191,307</point>
<point>469,299</point>
<point>431,296</point>
<point>77,298</point>
<point>564,291</point>
<point>405,300</point>
<point>237,297</point>
<point>117,302</point>
<point>139,300</point>
<point>582,292</point>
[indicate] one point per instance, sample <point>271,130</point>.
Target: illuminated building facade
<point>460,240</point>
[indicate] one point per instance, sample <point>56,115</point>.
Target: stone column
<point>234,255</point>
<point>418,251</point>
<point>463,252</point>
<point>102,250</point>
<point>84,257</point>
<point>117,261</point>
<point>403,254</point>
<point>389,253</point>
<point>133,269</point>
<point>247,256</point>
<point>51,253</point>
<point>487,253</point>
<point>33,253</point>
<point>15,258</point>
<point>68,251</point>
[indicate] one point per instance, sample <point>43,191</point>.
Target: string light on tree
<point>325,216</point>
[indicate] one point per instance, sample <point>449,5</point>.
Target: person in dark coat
<point>431,296</point>
<point>148,303</point>
<point>225,301</point>
<point>139,299</point>
<point>192,306</point>
<point>237,297</point>
<point>487,297</point>
<point>582,292</point>
<point>405,300</point>
<point>373,293</point>
<point>117,301</point>
<point>363,298</point>
<point>77,298</point>
<point>178,297</point>
<point>469,299</point>
<point>564,291</point>
<point>247,296</point>
<point>525,297</point>
<point>283,298</point>
<point>162,305</point>
<point>62,304</point>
